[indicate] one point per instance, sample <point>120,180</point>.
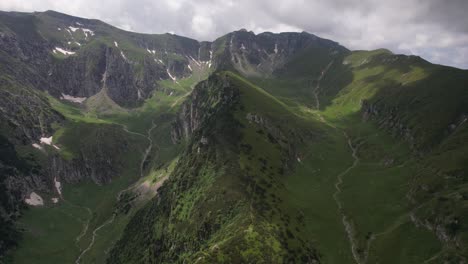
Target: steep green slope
<point>357,192</point>
<point>91,217</point>
<point>405,97</point>
<point>224,201</point>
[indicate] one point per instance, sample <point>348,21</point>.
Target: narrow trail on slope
<point>112,218</point>
<point>347,223</point>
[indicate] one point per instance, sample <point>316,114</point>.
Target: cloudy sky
<point>436,30</point>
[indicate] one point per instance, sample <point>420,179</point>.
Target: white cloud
<point>202,25</point>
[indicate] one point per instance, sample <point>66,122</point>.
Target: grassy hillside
<point>384,102</point>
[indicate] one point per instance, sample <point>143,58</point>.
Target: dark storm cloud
<point>434,29</point>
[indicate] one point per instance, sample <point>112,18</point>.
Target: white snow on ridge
<point>116,44</point>
<point>73,99</point>
<point>86,31</point>
<point>170,75</point>
<point>64,52</point>
<point>34,199</point>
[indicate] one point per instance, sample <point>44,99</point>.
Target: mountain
<point>121,147</point>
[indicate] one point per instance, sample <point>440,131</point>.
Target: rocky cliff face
<point>266,53</point>
<point>209,97</point>
<point>387,120</point>
<point>79,57</point>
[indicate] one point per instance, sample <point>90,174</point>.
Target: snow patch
<point>151,51</point>
<point>211,58</point>
<point>116,44</point>
<point>79,24</point>
<point>34,199</point>
<point>63,51</point>
<point>190,68</point>
<point>276,48</point>
<point>86,31</point>
<point>36,146</point>
<point>123,55</point>
<point>55,200</point>
<point>160,61</point>
<point>170,75</point>
<point>139,94</point>
<point>47,141</point>
<point>171,93</point>
<point>77,43</point>
<point>73,99</point>
<point>194,60</point>
<point>59,29</point>
<point>58,186</point>
<point>242,46</point>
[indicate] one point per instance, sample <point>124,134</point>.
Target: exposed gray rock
<point>212,95</point>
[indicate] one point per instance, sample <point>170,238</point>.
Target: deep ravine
<point>347,223</point>
<point>112,218</point>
